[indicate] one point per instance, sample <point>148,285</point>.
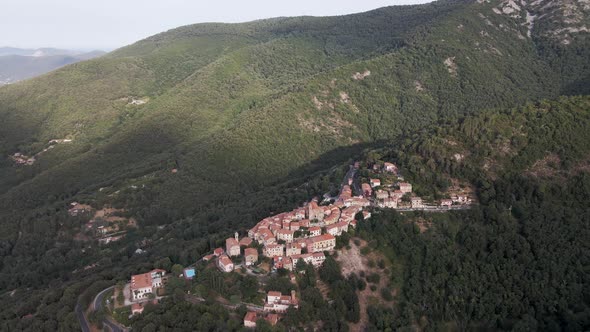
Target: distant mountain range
<point>17,64</point>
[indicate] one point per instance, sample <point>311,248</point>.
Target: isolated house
<point>147,283</point>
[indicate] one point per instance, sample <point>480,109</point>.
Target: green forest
<point>240,121</point>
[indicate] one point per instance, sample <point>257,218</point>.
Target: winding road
<point>97,305</point>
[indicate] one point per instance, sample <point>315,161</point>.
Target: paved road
<point>97,305</point>
<point>82,319</point>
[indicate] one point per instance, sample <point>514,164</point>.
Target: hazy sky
<point>114,23</point>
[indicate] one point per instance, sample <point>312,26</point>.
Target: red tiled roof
<point>250,251</point>
<point>141,280</point>
<point>323,237</point>
<point>225,260</point>
<point>251,316</point>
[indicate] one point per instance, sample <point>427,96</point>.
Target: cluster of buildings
<point>387,197</point>
<point>306,232</point>
<point>234,247</point>
<point>275,304</point>
<point>21,159</point>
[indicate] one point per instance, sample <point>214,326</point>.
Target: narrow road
<point>107,321</point>
<point>82,318</point>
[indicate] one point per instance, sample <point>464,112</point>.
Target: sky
<point>109,24</point>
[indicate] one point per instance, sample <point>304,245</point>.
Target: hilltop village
<point>304,235</point>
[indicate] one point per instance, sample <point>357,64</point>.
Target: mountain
<point>251,117</point>
<point>46,51</point>
<point>19,64</point>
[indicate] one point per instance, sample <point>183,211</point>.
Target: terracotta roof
<point>245,241</point>
<point>225,260</point>
<point>250,251</point>
<point>272,319</point>
<point>141,280</point>
<point>274,293</point>
<point>323,237</point>
<point>231,242</point>
<point>251,316</point>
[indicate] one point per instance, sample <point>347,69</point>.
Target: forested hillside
<point>203,130</point>
<point>516,262</point>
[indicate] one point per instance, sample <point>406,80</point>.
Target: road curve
<point>82,318</point>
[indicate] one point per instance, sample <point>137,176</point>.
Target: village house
<point>245,242</point>
<point>315,231</point>
<point>77,209</point>
<point>147,283</point>
<point>381,194</point>
<point>367,191</point>
<point>337,228</point>
<point>136,308</point>
<point>277,302</point>
<point>318,258</point>
<point>460,199</point>
<point>273,250</point>
<point>285,235</point>
<point>295,225</point>
<point>282,262</point>
<point>225,264</point>
<point>314,212</point>
<point>397,194</point>
<point>417,203</point>
<point>272,319</point>
<point>405,187</point>
<point>266,237</point>
<point>299,213</point>
<point>232,246</point>
<point>250,256</point>
<point>293,249</point>
<point>332,218</point>
<point>446,202</point>
<point>390,203</point>
<point>218,252</point>
<point>324,242</point>
<point>375,183</point>
<point>307,258</point>
<point>357,201</point>
<point>389,167</point>
<point>304,223</point>
<point>250,319</point>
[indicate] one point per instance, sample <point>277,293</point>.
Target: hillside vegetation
<point>258,117</point>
